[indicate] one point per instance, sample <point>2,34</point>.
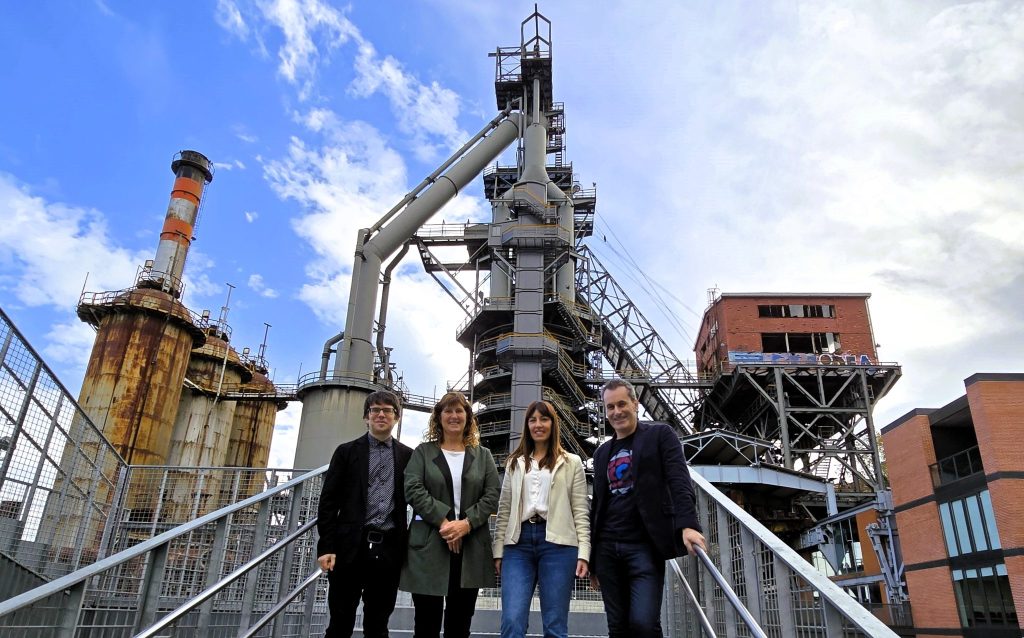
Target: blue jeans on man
<point>632,578</point>
<point>530,562</point>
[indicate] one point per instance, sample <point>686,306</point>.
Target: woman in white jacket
<point>542,533</point>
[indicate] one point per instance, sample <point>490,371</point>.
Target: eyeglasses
<point>388,411</point>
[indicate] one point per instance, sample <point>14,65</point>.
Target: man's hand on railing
<point>692,537</point>
<point>326,562</point>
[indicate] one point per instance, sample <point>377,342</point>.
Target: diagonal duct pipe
<point>355,358</point>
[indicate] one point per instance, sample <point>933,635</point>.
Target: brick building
<point>957,477</point>
<point>797,375</point>
<point>757,322</point>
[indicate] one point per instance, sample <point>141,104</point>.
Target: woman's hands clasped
<point>453,531</point>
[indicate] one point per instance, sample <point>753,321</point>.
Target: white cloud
<point>423,110</point>
<point>41,242</point>
<point>242,133</point>
<point>426,112</point>
<point>230,19</point>
<point>251,216</point>
<point>300,22</point>
<point>69,343</point>
<point>286,431</point>
<point>257,285</point>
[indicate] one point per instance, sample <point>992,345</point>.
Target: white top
<point>455,461</point>
<point>536,487</point>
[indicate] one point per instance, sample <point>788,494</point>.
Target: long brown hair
<point>470,435</point>
<point>527,445</point>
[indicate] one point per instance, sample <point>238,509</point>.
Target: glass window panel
<point>962,533</point>
<point>987,571</point>
<point>962,602</point>
<point>977,527</point>
<point>990,520</point>
<point>993,600</point>
<point>947,530</point>
<point>977,611</point>
<point>1001,569</point>
<point>958,574</point>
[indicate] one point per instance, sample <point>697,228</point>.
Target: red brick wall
<point>909,452</point>
<point>997,409</point>
<point>741,327</point>
<point>936,608</point>
<point>1015,572</point>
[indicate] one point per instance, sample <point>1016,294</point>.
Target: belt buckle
<point>535,519</point>
<point>373,537</point>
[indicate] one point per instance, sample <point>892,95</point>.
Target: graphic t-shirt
<point>622,518</point>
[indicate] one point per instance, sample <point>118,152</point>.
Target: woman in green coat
<point>452,484</point>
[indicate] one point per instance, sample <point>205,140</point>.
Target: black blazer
<point>664,494</point>
<point>341,514</point>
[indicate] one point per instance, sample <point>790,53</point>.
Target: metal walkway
<point>107,549</point>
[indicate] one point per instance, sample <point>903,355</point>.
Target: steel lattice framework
<point>666,388</point>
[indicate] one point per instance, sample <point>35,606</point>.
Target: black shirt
<point>622,520</point>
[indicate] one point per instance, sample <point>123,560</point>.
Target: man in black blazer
<point>643,513</point>
<point>362,522</point>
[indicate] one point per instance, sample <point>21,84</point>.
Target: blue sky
<point>825,146</point>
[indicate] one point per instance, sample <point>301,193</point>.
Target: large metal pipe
<point>356,357</point>
<point>325,357</point>
<point>192,172</point>
<point>385,293</point>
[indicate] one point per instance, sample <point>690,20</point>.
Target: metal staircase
<point>115,550</point>
<point>666,389</point>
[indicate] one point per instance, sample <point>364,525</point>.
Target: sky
<point>774,146</point>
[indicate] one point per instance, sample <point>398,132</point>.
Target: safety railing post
<point>152,580</point>
<point>213,569</point>
<point>289,554</point>
<point>252,579</point>
<point>71,611</point>
<point>750,563</point>
<point>724,564</point>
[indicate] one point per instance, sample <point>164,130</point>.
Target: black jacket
<point>342,510</point>
<point>664,493</point>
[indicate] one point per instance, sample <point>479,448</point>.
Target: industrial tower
<point>163,383</point>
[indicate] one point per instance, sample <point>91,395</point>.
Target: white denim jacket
<point>568,521</point>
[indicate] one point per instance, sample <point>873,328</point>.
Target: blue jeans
<point>526,564</point>
<point>632,577</point>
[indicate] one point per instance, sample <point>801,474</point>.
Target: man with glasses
<point>362,522</point>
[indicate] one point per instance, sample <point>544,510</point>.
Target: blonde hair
<point>470,435</point>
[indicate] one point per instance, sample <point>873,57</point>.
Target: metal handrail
<point>708,629</point>
<point>79,577</point>
<point>836,598</point>
<point>730,595</point>
<point>210,592</point>
<point>282,604</point>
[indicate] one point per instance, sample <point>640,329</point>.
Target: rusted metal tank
<point>133,381</point>
<point>253,425</point>
<point>203,424</point>
<point>202,427</point>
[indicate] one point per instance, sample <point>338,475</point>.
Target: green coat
<point>428,490</point>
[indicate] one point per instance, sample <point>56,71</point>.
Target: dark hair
<point>382,397</point>
<point>619,383</point>
<point>470,435</point>
<point>527,445</point>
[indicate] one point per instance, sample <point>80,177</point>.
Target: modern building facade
<point>957,477</point>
